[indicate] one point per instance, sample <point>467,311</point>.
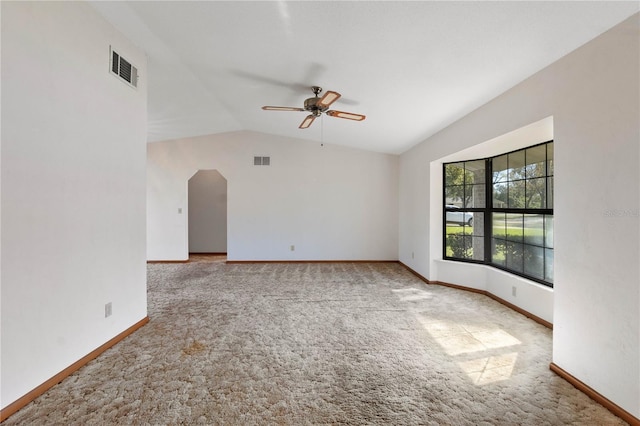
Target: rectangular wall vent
<point>261,161</point>
<point>124,69</point>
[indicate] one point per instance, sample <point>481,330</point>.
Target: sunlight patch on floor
<point>467,342</point>
<point>491,369</point>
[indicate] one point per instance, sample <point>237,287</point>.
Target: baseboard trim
<point>33,394</point>
<point>486,293</point>
<point>167,261</point>
<point>582,387</point>
<point>520,310</point>
<point>207,253</point>
<point>309,261</point>
<point>612,407</point>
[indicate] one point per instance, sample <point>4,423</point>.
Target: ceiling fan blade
<point>307,121</point>
<point>347,115</point>
<point>327,99</point>
<point>279,108</point>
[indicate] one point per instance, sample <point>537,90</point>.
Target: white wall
<point>207,212</point>
<point>593,96</point>
<point>73,190</point>
<point>331,203</point>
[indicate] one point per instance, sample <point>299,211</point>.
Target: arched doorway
<point>207,194</point>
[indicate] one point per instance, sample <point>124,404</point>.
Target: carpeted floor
<point>335,343</point>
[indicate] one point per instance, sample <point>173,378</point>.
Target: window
<point>499,211</point>
<point>465,202</point>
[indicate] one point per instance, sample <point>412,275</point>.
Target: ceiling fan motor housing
<point>311,105</point>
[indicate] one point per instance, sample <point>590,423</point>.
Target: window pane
<point>477,224</point>
<point>468,176</point>
<point>534,229</point>
<point>499,166</point>
<point>550,192</point>
<point>477,196</point>
<point>500,195</point>
<point>536,161</point>
<point>454,174</point>
<point>514,227</point>
<point>456,216</point>
<point>548,231</point>
<point>454,195</point>
<point>456,241</point>
<point>548,265</point>
<point>516,165</point>
<point>516,194</point>
<point>498,225</point>
<point>468,246</point>
<point>536,193</point>
<point>475,172</point>
<point>534,261</point>
<point>477,251</point>
<point>550,159</point>
<point>498,249</point>
<point>455,246</point>
<point>514,256</point>
<point>462,243</point>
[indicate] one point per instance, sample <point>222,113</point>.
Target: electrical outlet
<point>179,210</point>
<point>513,291</point>
<point>107,310</point>
<point>293,248</point>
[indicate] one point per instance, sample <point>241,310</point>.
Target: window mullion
<point>488,208</point>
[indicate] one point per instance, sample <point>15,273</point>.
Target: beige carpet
<point>296,344</point>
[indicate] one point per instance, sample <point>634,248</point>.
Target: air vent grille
<point>124,69</point>
<point>115,61</point>
<point>261,161</point>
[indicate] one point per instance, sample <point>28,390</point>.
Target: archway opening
<point>207,194</point>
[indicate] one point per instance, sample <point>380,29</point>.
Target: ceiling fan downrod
<point>312,105</point>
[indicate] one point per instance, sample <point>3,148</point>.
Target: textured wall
<point>592,95</point>
<point>73,190</point>
<point>330,203</point>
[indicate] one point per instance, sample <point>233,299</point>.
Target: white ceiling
<point>411,67</point>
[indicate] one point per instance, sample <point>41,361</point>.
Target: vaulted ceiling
<point>411,67</point>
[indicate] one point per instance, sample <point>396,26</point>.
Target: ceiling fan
<point>316,106</point>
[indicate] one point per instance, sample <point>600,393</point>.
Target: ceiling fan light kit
<point>318,105</point>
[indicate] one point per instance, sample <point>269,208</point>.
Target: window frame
<point>488,211</point>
